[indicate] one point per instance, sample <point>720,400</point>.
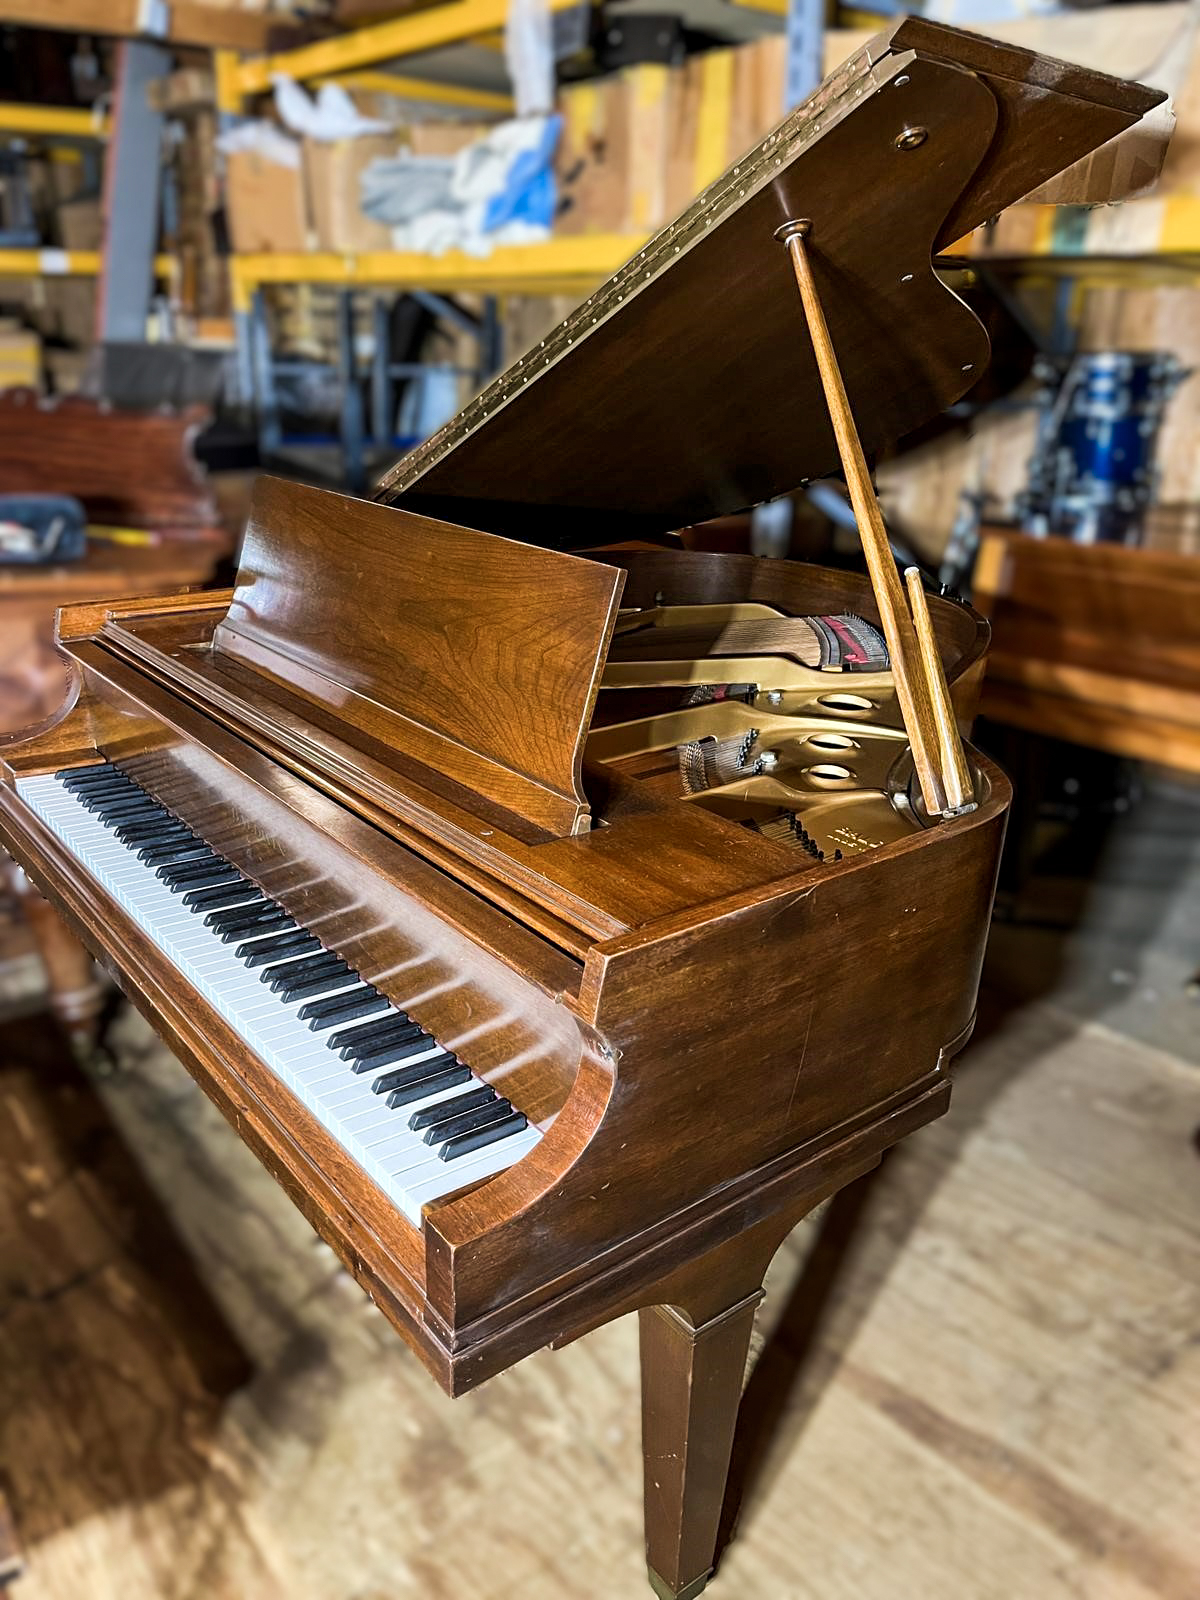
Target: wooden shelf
<point>174,21</point>
<point>560,266</point>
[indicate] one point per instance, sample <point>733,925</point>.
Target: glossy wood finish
<point>691,1386</point>
<point>128,469</point>
<point>32,672</point>
<point>497,686</point>
<point>1096,644</point>
<point>685,388</point>
<point>132,469</point>
<point>713,1031</point>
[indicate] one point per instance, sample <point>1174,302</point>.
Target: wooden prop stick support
<point>912,690</point>
<point>956,775</point>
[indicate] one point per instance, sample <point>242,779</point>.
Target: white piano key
<point>373,1133</point>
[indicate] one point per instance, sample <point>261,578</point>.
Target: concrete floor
<point>996,1401</point>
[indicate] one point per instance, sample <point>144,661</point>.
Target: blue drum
<point>1094,472</point>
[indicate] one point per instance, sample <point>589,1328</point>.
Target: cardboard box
<point>613,154</point>
<point>647,109</point>
<point>333,172</point>
<point>264,204</point>
<point>69,310</point>
<point>20,357</point>
<point>592,159</point>
<point>699,123</point>
<point>441,137</point>
<point>182,90</point>
<point>65,370</point>
<point>759,77</point>
<point>81,225</point>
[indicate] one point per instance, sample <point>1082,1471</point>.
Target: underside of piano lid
<point>686,387</point>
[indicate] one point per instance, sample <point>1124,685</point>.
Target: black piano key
<point>306,988</point>
<point>107,803</point>
<point>258,952</point>
<point>394,1029</point>
<point>250,914</point>
<point>211,858</point>
<point>516,1122</point>
<point>128,805</point>
<point>158,832</point>
<point>335,1009</point>
<point>96,773</point>
<point>218,896</point>
<point>364,1030</point>
<point>112,782</point>
<point>181,874</point>
<point>274,922</point>
<point>103,780</point>
<point>417,1091</point>
<point>326,963</point>
<point>173,872</point>
<point>211,878</point>
<point>249,908</point>
<point>425,1118</point>
<point>401,1077</point>
<point>398,1048</point>
<point>467,1122</point>
<point>309,967</point>
<point>154,854</point>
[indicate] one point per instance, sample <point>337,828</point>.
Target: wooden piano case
<point>421,739</point>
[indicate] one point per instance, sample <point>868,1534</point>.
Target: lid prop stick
<point>911,671</point>
<point>956,775</point>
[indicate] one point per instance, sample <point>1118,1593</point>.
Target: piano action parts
<point>560,930</point>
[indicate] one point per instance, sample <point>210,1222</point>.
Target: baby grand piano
<point>559,929</point>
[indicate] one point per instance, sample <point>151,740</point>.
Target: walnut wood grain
<point>1096,644</point>
<point>131,469</point>
<point>682,390</point>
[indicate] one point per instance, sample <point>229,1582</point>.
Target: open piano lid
<point>686,387</point>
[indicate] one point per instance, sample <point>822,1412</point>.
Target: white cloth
<point>332,115</point>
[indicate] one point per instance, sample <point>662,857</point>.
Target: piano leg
<point>695,1337</point>
<point>76,993</point>
<point>691,1388</point>
<point>12,1563</point>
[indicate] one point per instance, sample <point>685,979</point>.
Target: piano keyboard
<point>416,1119</point>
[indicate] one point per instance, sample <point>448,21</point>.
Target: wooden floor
<point>1000,1403</point>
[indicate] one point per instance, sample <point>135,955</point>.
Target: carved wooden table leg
<point>691,1389</point>
<point>76,992</point>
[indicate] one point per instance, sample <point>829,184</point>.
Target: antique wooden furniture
<point>131,470</point>
<point>591,964</point>
<point>1096,644</point>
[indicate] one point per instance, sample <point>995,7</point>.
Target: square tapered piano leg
<point>691,1388</point>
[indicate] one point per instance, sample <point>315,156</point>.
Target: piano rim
<point>391,1261</point>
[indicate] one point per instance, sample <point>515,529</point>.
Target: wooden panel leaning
<point>1097,644</point>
